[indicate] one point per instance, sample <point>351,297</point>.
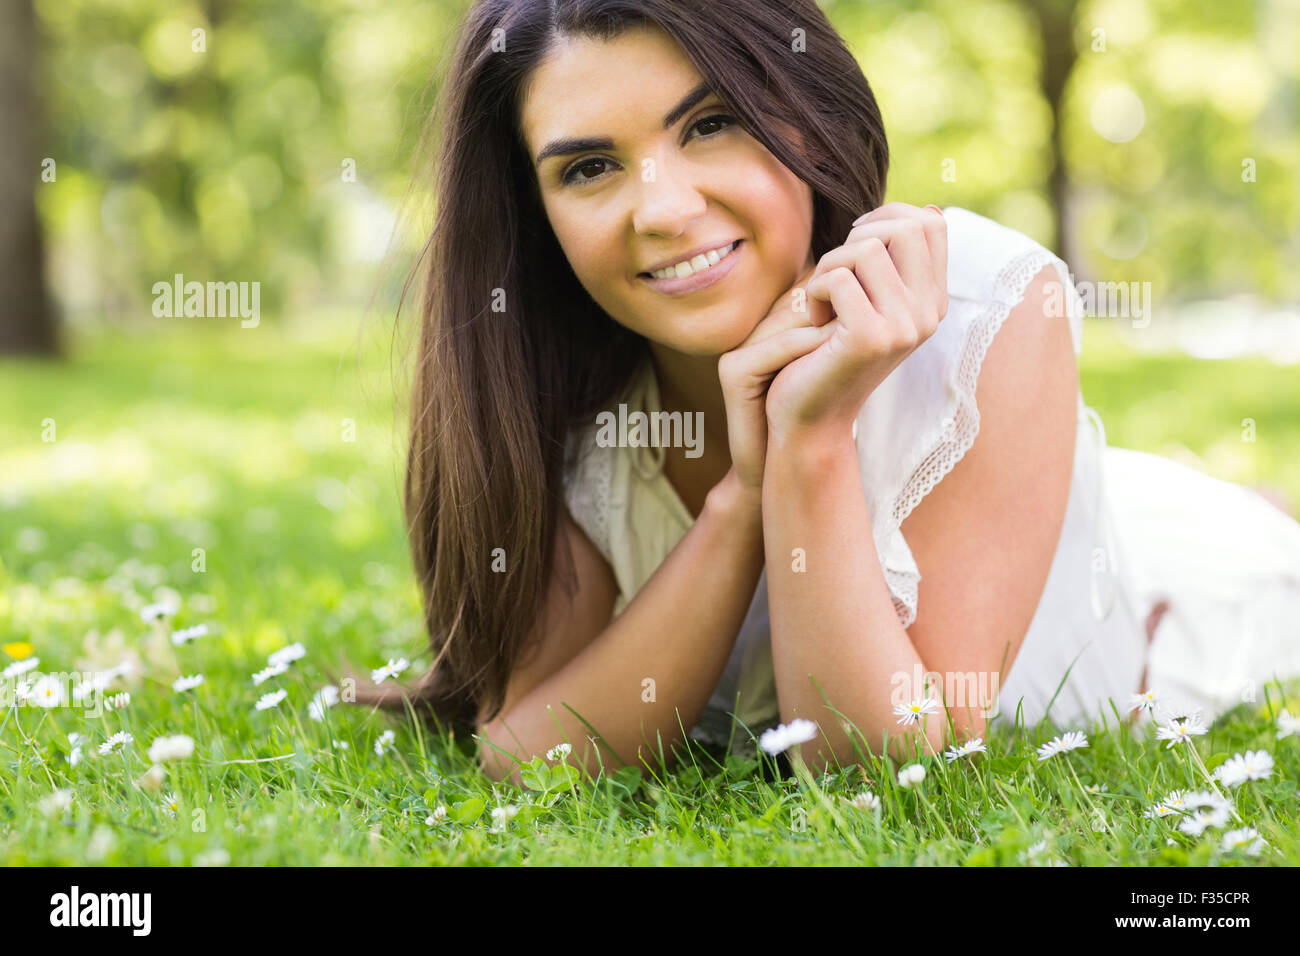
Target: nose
<point>667,199</point>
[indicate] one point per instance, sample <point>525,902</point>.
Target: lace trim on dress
<point>587,488</point>
<point>959,435</point>
<point>593,474</point>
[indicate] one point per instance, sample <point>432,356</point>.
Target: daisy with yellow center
<point>913,712</point>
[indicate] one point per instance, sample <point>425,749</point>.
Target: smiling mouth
<point>726,255</point>
<point>693,267</point>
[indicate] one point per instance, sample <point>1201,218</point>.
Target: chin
<point>703,338</point>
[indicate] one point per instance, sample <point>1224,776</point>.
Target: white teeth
<point>689,267</point>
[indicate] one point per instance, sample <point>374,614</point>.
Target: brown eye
<point>570,178</point>
<point>722,118</point>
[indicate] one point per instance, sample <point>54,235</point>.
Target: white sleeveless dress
<point>1137,528</point>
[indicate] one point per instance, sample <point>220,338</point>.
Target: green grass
<point>232,441</point>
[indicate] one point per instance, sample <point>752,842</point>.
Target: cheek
<point>593,252</point>
<point>591,249</point>
<point>781,203</point>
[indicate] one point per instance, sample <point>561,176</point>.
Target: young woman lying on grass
<point>895,517</point>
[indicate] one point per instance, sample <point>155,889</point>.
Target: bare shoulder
<point>985,536</point>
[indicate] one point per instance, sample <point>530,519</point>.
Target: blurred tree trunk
<point>1055,27</point>
<point>27,321</point>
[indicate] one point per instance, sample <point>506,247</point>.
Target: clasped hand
<point>810,364</point>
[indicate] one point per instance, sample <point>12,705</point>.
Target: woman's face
<point>655,193</point>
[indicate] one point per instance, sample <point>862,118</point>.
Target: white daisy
<point>1145,701</point>
<point>1070,740</point>
<point>866,800</point>
<point>117,701</point>
<point>1247,839</point>
<point>969,747</point>
<point>123,668</point>
<point>1159,810</point>
<point>391,669</point>
<point>156,612</point>
<point>170,804</point>
<point>384,743</point>
<point>115,743</point>
<point>152,779</point>
<point>287,655</point>
<point>187,634</point>
<point>58,802</point>
<point>1177,800</point>
<point>164,749</point>
<point>1040,855</point>
<point>325,698</point>
<point>181,684</point>
<point>913,712</point>
<point>1206,798</point>
<point>75,741</point>
<point>46,692</point>
<point>911,775</point>
<point>21,667</point>
<point>781,738</point>
<point>266,673</point>
<point>1182,729</point>
<point>273,699</point>
<point>501,816</point>
<point>559,751</point>
<point>1287,725</point>
<point>98,681</point>
<point>1252,765</point>
<point>1196,823</point>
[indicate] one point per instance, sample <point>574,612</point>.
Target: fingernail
<point>935,208</point>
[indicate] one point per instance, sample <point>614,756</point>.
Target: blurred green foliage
<point>228,153</point>
<point>222,154</point>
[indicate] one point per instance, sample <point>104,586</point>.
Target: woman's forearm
<point>833,619</point>
<point>650,673</point>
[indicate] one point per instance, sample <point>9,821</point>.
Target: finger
<point>936,234</point>
<point>908,246</point>
<point>757,363</point>
<point>842,288</point>
<point>889,210</point>
<point>793,309</point>
<point>873,267</point>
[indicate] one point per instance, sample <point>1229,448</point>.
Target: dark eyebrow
<point>567,147</point>
<point>687,103</point>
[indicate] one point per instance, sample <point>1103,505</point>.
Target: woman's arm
<point>643,680</point>
<point>984,537</point>
<point>833,619</point>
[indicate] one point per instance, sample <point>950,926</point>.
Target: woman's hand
<point>888,287</point>
<point>786,333</point>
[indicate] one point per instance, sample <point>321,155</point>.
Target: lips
<point>696,281</point>
<point>693,263</point>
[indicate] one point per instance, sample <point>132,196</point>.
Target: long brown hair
<point>513,352</point>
